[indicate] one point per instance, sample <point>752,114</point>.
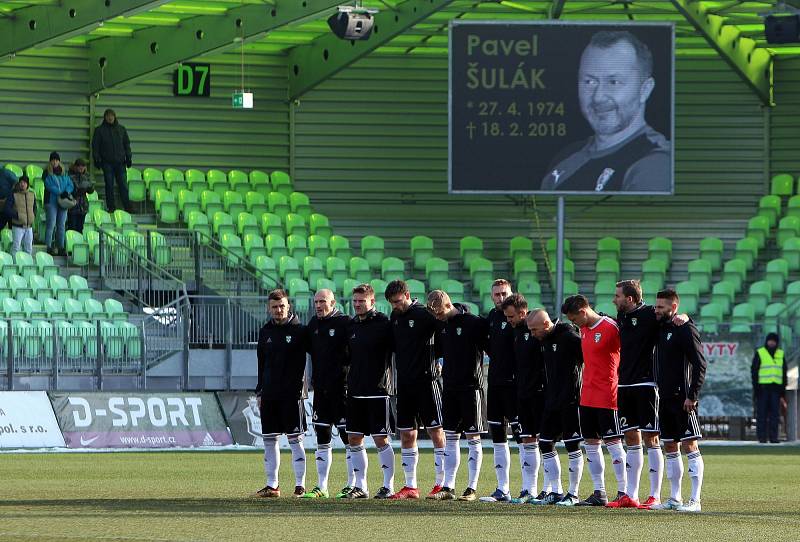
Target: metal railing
<point>54,347</point>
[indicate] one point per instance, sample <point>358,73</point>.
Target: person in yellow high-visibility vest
<point>769,387</point>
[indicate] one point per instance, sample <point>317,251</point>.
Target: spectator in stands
<point>8,179</point>
<point>83,186</point>
<point>769,387</point>
<point>111,150</point>
<point>20,208</point>
<point>57,200</point>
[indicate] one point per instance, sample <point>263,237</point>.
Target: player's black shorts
<point>283,416</point>
<point>597,423</point>
<point>329,408</point>
<point>464,411</point>
<point>638,408</point>
<point>529,411</point>
<point>419,406</point>
<point>501,407</point>
<point>561,424</point>
<point>369,416</point>
<point>676,423</point>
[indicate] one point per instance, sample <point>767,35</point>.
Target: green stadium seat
<point>654,270</point>
<point>393,269</point>
<point>649,290</point>
<point>421,251</point>
<point>318,247</point>
<point>782,185</point>
<point>608,248</point>
<point>689,293</point>
<point>172,174</point>
<point>759,296</point>
<point>711,316</point>
<point>743,318</point>
<point>299,204</point>
<point>271,224</point>
<point>381,305</point>
<point>319,225</point>
<point>281,182</point>
<point>791,253</point>
<point>19,287</point>
<point>137,190</point>
<point>700,274</point>
<point>278,204</point>
<point>604,290</point>
<point>788,227</point>
<point>239,181</point>
<point>520,247</point>
<point>53,308</point>
<point>297,246</point>
<point>777,274</point>
<point>74,309</point>
<point>758,228</point>
<point>113,346</point>
<point>15,169</point>
<point>216,177</point>
<point>198,222</point>
<point>7,265</point>
<point>437,270</point>
<point>166,207</point>
<point>259,181</point>
<point>372,250</point>
<point>336,270</point>
<point>25,264</point>
<point>711,249</point>
<point>13,308</point>
<point>79,287</point>
<point>454,289</point>
<point>607,270</point>
<point>417,289</point>
<point>222,223</point>
<point>70,338</point>
<point>774,315</point>
<point>233,203</point>
<point>33,308</point>
<point>95,203</point>
<point>735,271</point>
<point>255,203</point>
<point>247,223</point>
<point>88,334</point>
<point>133,174</point>
<point>187,202</point>
<point>747,251</point>
<point>793,206</point>
<point>103,219</point>
<point>160,251</point>
<point>470,247</point>
<point>525,268</point>
<point>570,288</point>
<point>210,202</point>
<point>6,239</point>
<point>379,285</point>
<point>359,269</point>
<point>253,245</point>
<point>660,248</point>
<point>276,247</point>
<point>770,207</point>
<point>40,286</point>
<point>60,288</point>
<point>295,225</point>
<point>289,269</point>
<point>300,293</point>
<point>551,247</point>
<point>793,293</point>
<point>115,311</point>
<point>33,171</point>
<point>606,307</point>
<point>480,270</point>
<point>268,269</point>
<point>5,289</point>
<point>723,294</point>
<point>531,290</point>
<point>569,271</point>
<point>312,269</point>
<point>195,179</point>
<point>326,284</point>
<point>340,247</point>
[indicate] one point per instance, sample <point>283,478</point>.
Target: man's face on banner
<point>611,87</point>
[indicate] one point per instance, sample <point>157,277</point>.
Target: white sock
<point>674,475</point>
<point>351,477</point>
<point>655,465</point>
<point>298,460</point>
<point>575,471</point>
<point>323,457</point>
<point>530,459</point>
<point>386,458</point>
<point>475,461</point>
<point>696,468</point>
<point>552,471</point>
<point>597,466</point>
<point>617,453</point>
<point>272,461</point>
<point>360,462</point>
<point>452,459</point>
<point>438,465</point>
<point>409,458</point>
<point>634,461</point>
<point>502,457</point>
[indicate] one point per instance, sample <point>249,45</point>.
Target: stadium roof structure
<point>131,39</point>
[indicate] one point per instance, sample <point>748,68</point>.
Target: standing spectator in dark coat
<point>769,387</point>
<point>83,186</point>
<point>111,150</point>
<point>8,179</point>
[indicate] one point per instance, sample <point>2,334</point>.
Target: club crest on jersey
<point>458,331</point>
<point>527,335</point>
<point>555,347</point>
<point>331,332</point>
<point>503,325</point>
<point>411,323</point>
<point>288,338</point>
<point>597,337</point>
<point>669,335</point>
<point>634,321</point>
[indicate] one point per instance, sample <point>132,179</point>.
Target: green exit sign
<point>192,80</point>
<point>242,100</point>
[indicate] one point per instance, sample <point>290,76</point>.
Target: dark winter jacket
<point>83,185</point>
<point>281,359</point>
<point>110,144</point>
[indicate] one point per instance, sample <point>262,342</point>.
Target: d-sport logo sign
<point>125,420</point>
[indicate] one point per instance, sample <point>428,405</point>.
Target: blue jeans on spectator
<point>118,173</point>
<point>56,221</point>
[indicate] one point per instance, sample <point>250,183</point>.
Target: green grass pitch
<point>750,493</point>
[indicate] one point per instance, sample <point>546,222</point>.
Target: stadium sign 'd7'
<point>131,420</point>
